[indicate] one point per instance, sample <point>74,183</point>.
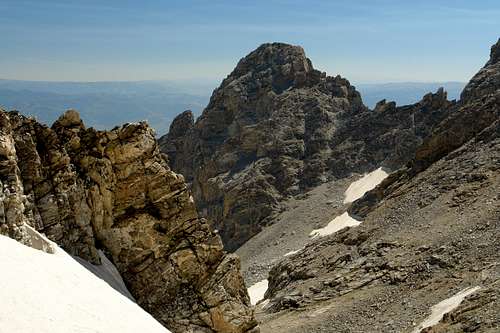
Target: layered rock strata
<point>113,191</point>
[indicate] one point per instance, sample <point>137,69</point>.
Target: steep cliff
<point>277,127</point>
<point>91,190</point>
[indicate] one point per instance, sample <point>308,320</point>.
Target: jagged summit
<point>278,67</point>
<point>182,123</point>
<point>495,53</point>
<point>173,141</point>
<point>274,53</point>
<point>276,64</point>
<point>69,118</point>
<point>486,80</point>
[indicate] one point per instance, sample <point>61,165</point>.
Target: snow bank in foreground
<point>338,223</point>
<point>53,293</point>
<point>369,181</point>
<point>108,272</point>
<point>443,307</point>
<point>257,291</point>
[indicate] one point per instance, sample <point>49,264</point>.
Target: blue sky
<point>365,41</point>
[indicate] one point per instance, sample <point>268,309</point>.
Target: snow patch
<point>108,272</point>
<point>338,223</point>
<point>292,252</point>
<point>443,307</point>
<point>369,181</point>
<point>264,304</point>
<point>257,291</point>
<point>53,293</point>
<point>38,240</point>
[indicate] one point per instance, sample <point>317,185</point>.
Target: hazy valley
<point>103,105</point>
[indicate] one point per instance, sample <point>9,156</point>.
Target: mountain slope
<point>277,127</point>
<point>52,293</point>
<point>428,232</point>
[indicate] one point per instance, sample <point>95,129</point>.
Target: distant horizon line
<point>215,79</point>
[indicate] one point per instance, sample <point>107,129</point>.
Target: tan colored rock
<point>113,191</point>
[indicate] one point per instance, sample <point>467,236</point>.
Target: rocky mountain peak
<point>182,123</point>
<point>276,127</point>
<point>174,141</point>
<point>70,118</point>
<point>277,65</point>
<point>487,80</point>
<point>437,100</point>
<point>495,52</point>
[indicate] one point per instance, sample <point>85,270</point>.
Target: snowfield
<point>53,293</point>
<point>338,223</point>
<point>369,181</point>
<point>355,191</point>
<point>108,272</point>
<point>257,291</point>
<point>443,307</point>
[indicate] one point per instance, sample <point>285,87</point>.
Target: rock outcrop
<point>113,191</point>
<point>486,81</point>
<point>477,313</point>
<point>276,127</point>
<point>429,230</point>
<point>478,109</point>
<point>175,141</point>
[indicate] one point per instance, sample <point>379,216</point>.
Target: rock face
<point>175,142</point>
<point>429,230</point>
<point>276,127</point>
<point>486,81</point>
<point>477,313</point>
<point>91,190</point>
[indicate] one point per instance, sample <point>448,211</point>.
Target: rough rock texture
<point>112,190</point>
<point>275,127</point>
<point>486,81</point>
<point>429,230</point>
<point>12,199</point>
<point>477,313</point>
<point>477,110</point>
<point>175,141</point>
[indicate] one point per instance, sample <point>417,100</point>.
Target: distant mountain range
<point>105,104</point>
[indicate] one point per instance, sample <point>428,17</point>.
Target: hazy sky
<point>365,41</point>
